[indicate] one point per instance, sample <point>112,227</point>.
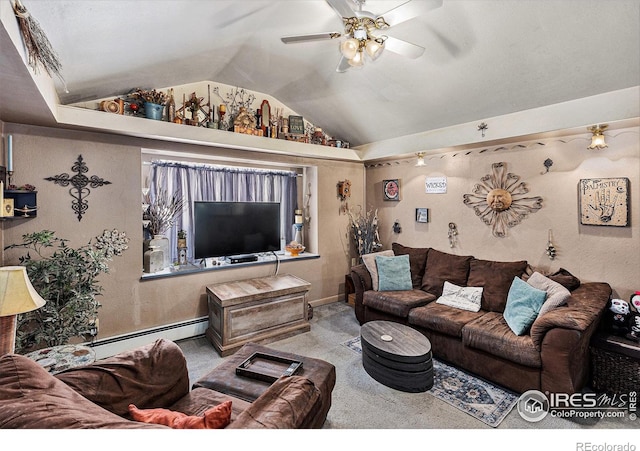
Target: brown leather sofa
<point>553,356</point>
<point>150,377</point>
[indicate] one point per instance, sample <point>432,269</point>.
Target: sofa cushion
<point>495,278</point>
<point>393,273</point>
<point>557,295</point>
<point>31,398</point>
<point>523,305</point>
<point>417,261</point>
<point>465,298</point>
<point>442,318</point>
<point>397,303</point>
<point>491,333</point>
<point>369,261</point>
<point>565,278</point>
<point>443,267</point>
<point>125,378</point>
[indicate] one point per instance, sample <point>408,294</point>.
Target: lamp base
<point>8,334</point>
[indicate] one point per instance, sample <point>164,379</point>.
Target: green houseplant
<point>67,279</point>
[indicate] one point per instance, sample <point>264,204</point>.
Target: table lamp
<point>17,295</point>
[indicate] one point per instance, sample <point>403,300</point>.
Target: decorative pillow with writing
<point>523,305</point>
<point>557,295</point>
<point>369,261</point>
<point>465,298</point>
<point>217,417</point>
<point>394,273</point>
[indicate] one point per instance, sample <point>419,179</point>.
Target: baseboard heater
<point>176,331</point>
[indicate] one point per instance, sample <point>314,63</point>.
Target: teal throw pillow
<point>394,273</point>
<point>523,304</point>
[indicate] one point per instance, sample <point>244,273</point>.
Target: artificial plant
<point>363,228</point>
<point>67,279</point>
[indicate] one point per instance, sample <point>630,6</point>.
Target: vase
<point>153,260</point>
<point>153,111</point>
<point>161,242</point>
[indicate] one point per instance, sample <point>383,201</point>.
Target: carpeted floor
<point>360,402</point>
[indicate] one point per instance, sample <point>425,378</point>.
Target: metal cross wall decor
<point>79,182</point>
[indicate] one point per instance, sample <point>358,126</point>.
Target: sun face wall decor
<point>499,200</point>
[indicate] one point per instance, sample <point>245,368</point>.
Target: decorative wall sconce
<point>482,128</point>
<point>420,161</point>
<point>452,234</point>
<point>597,140</point>
<point>551,249</point>
<point>396,227</point>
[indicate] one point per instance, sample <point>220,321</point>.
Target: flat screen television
<point>226,229</point>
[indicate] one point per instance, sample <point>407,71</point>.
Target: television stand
<point>243,258</point>
<point>256,310</point>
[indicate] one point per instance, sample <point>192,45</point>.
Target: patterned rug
<point>473,396</point>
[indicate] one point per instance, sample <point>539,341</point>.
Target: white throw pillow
<point>557,295</point>
<point>464,298</point>
<point>370,262</point>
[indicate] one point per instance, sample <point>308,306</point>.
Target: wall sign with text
<point>435,185</point>
<point>604,202</point>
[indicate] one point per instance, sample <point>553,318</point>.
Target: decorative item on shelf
<point>153,260</point>
<point>604,202</point>
<point>171,106</point>
<point>161,215</point>
<point>294,248</point>
<point>298,224</point>
<point>422,215</point>
<point>245,123</point>
<point>500,201</point>
<point>182,247</point>
<point>396,226</point>
<point>265,113</point>
<point>80,183</point>
<point>551,249</point>
<point>17,296</point>
<point>364,231</point>
<point>115,106</point>
<point>9,159</point>
<point>391,190</point>
<point>483,127</point>
<point>296,125</point>
<point>151,101</point>
<point>318,137</point>
<point>295,137</point>
<point>72,307</point>
<point>452,234</point>
<point>597,138</point>
<point>20,202</point>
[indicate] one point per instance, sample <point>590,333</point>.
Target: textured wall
<point>593,253</point>
<point>129,303</point>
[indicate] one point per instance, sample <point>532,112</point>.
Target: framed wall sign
<point>296,125</point>
<point>422,215</point>
<point>604,202</point>
<point>391,189</point>
<point>435,185</point>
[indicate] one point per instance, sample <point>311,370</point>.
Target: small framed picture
<point>296,125</point>
<point>422,215</point>
<point>391,189</point>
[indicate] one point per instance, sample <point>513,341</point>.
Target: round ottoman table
<point>397,356</point>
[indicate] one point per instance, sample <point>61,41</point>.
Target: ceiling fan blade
<point>310,37</point>
<point>342,8</point>
<point>343,65</point>
<point>403,48</point>
<point>409,10</point>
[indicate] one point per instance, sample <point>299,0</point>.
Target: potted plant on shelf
<point>151,101</point>
<point>67,279</point>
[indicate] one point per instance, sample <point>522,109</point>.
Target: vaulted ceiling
<point>482,58</point>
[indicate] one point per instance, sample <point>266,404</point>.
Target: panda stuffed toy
<point>617,316</point>
<point>634,320</point>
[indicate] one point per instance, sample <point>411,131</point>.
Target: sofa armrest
<point>150,376</point>
<point>361,282</point>
<point>289,403</point>
<point>585,306</point>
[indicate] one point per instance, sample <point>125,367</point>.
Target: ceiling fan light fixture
<point>349,48</point>
<point>597,138</point>
<point>374,49</point>
<point>357,60</point>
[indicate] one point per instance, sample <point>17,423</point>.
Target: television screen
<point>224,229</point>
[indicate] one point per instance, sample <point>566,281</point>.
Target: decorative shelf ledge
<point>82,118</point>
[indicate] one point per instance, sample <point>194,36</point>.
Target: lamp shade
<point>17,295</point>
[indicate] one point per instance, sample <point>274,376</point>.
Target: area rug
<point>476,397</point>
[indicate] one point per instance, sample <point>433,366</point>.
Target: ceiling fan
<point>363,31</point>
